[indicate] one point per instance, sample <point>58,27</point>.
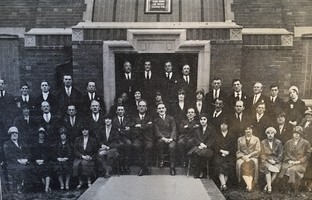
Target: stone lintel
<point>49,31</point>
<point>301,31</point>
<point>19,32</point>
<point>265,31</point>
<point>156,25</point>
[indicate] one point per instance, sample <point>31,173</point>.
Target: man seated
<point>166,135</point>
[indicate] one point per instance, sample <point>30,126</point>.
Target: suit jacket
<point>231,100</point>
<point>307,130</point>
<point>260,126</point>
<point>165,128</point>
<point>145,132</point>
<point>189,131</point>
<point>51,128</point>
<point>237,126</point>
<point>252,107</point>
<point>189,88</point>
<point>127,122</point>
<point>53,102</point>
<point>96,128</point>
<point>210,100</point>
<point>73,130</point>
<point>128,86</point>
<point>273,108</point>
<point>86,102</point>
<point>169,88</point>
<point>215,121</point>
<point>203,110</point>
<point>148,87</point>
<point>285,134</point>
<point>64,100</point>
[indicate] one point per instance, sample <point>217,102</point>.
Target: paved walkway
<point>153,187</point>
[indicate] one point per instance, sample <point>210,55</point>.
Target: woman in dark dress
<point>63,156</point>
<point>41,157</point>
<point>224,153</point>
<point>85,150</point>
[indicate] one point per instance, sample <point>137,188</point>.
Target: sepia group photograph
<point>155,99</point>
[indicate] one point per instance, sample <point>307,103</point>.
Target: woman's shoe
<point>89,183</point>
<point>224,187</point>
<point>265,189</point>
<point>62,187</point>
<point>248,189</point>
<point>79,187</point>
<point>48,190</point>
<point>67,187</point>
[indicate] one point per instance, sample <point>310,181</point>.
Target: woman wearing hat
<point>248,150</point>
<point>295,107</point>
<point>85,149</point>
<point>204,139</point>
<point>63,155</point>
<point>224,153</point>
<point>296,154</point>
<point>270,158</point>
<point>306,124</point>
<point>41,157</point>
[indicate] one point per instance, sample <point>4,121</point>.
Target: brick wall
<point>41,13</point>
<point>258,13</point>
<point>269,65</point>
<point>39,64</point>
<point>88,63</point>
<point>226,61</point>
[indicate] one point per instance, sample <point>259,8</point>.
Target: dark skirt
<point>224,165</point>
<point>63,168</point>
<point>83,168</point>
<point>248,168</point>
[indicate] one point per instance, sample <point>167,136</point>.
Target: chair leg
<point>208,177</point>
<point>188,168</point>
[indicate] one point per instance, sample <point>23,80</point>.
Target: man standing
<point>276,104</point>
<point>237,93</point>
<point>90,96</point>
<point>166,135</point>
<point>68,95</point>
<point>239,119</point>
<point>256,98</point>
<point>72,123</point>
<point>25,98</point>
<point>215,93</point>
<point>188,84</point>
<point>143,137</point>
<point>169,83</point>
<point>127,81</point>
<point>46,95</point>
<point>147,81</point>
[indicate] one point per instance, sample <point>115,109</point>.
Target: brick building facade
<point>253,40</point>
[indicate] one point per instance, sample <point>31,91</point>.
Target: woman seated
<point>224,153</point>
<point>248,150</point>
<point>63,155</point>
<point>41,157</point>
<point>296,154</point>
<point>204,139</point>
<point>85,149</point>
<point>270,158</point>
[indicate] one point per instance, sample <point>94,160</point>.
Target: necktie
<point>95,117</point>
<point>120,120</point>
<point>255,100</point>
<point>237,96</point>
<point>215,94</point>
<point>47,118</point>
<point>187,79</point>
<point>167,75</point>
<point>148,76</point>
<point>67,92</point>
<point>72,121</point>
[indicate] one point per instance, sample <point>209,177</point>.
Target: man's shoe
<point>173,171</point>
<point>140,172</point>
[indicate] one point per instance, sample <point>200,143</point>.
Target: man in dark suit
<point>142,136</point>
<point>260,121</point>
<point>123,123</point>
<point>169,83</point>
<point>188,83</point>
<point>46,95</point>
<point>68,95</point>
<point>276,104</point>
<point>8,109</point>
<point>91,95</point>
<point>238,119</point>
<point>215,93</point>
<point>95,119</point>
<point>256,98</point>
<point>127,81</point>
<point>25,98</point>
<point>284,129</point>
<point>237,94</point>
<point>217,114</point>
<point>147,82</point>
<point>17,155</point>
<point>50,122</point>
<point>186,139</point>
<point>72,122</point>
<point>165,131</point>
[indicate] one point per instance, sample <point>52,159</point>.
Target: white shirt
<point>108,129</point>
<point>128,76</point>
<point>216,114</point>
<point>216,93</point>
<point>68,90</point>
<point>256,97</point>
<point>25,98</point>
<point>96,117</point>
<point>181,104</point>
<point>148,74</point>
<point>238,94</point>
<point>271,144</point>
<point>47,117</point>
<point>273,99</point>
<point>170,74</point>
<point>186,78</point>
<point>91,95</point>
<point>141,116</point>
<point>45,95</point>
<point>199,105</point>
<point>72,120</point>
<point>85,142</point>
<point>258,117</point>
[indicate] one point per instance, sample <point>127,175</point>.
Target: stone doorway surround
<point>161,37</point>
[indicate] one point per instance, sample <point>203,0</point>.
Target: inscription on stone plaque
<point>158,6</point>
